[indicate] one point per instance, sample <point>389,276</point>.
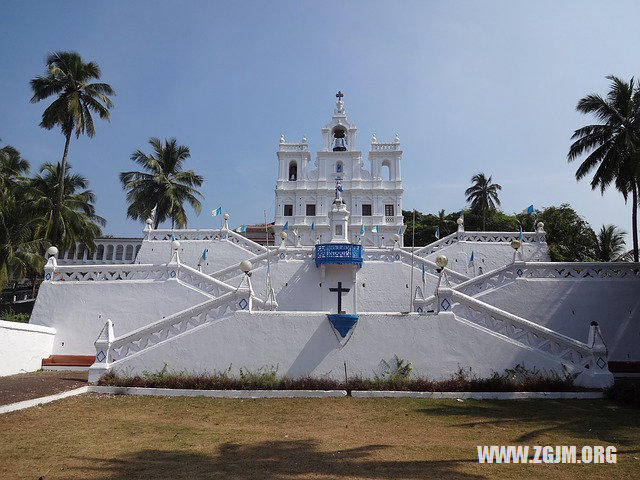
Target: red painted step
<point>68,361</point>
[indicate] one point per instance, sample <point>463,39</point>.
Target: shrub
<point>8,315</point>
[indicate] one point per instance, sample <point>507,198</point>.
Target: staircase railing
<point>520,330</point>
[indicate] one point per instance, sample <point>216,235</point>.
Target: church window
<point>100,253</point>
<point>293,171</point>
<point>339,229</point>
<point>288,210</point>
<point>366,209</point>
<point>339,167</point>
<point>385,171</point>
<point>311,210</point>
<point>388,210</point>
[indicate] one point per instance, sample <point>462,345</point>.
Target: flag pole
<point>413,244</point>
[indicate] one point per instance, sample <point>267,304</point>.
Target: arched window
<point>71,254</point>
<point>128,253</point>
<point>80,253</point>
<point>110,252</point>
<point>385,170</point>
<point>119,250</point>
<point>293,171</point>
<point>339,167</point>
<point>339,139</point>
<point>100,253</point>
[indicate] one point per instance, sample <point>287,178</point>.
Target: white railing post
<point>50,267</point>
<point>597,374</point>
<point>103,352</point>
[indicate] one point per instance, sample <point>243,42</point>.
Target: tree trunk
<point>634,221</point>
<point>57,206</point>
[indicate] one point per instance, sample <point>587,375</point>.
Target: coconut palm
<point>12,167</point>
<point>69,79</point>
<point>483,195</point>
<point>77,216</point>
<point>20,251</point>
<point>612,144</point>
<point>163,184</point>
<point>609,244</point>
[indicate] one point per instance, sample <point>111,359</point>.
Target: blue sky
<point>469,86</point>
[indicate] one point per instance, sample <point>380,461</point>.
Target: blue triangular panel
<point>343,323</point>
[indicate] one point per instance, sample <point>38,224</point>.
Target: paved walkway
<point>25,386</point>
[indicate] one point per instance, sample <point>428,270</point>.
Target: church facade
<point>372,193</point>
<point>338,294</point>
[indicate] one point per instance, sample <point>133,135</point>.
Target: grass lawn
<point>102,437</point>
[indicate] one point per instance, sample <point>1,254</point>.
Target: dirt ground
<point>25,386</point>
<point>120,437</point>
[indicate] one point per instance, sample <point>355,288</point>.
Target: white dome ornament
<point>441,262</point>
<point>52,251</point>
<point>516,244</point>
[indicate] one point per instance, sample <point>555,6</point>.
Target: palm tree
<point>78,220</point>
<point>612,144</point>
<point>444,222</point>
<point>163,184</point>
<point>483,195</point>
<point>12,167</point>
<point>609,244</point>
<point>68,77</point>
<point>20,250</point>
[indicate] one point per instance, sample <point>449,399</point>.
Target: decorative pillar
<point>103,352</point>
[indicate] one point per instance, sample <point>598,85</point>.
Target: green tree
<point>569,237</point>
<point>483,196</point>
<point>12,168</point>
<point>609,244</point>
<point>612,144</point>
<point>69,79</point>
<point>77,219</point>
<point>164,184</point>
<point>20,250</point>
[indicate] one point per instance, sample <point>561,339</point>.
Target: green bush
<point>8,315</point>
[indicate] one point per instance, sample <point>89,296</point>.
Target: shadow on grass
<point>607,421</point>
<point>274,460</point>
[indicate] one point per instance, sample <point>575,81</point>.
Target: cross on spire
<point>339,95</point>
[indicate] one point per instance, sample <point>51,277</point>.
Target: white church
<point>338,294</point>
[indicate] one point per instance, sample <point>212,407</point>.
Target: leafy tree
<point>163,184</point>
<point>569,237</point>
<point>609,244</point>
<point>483,195</point>
<point>612,144</point>
<point>69,79</point>
<point>77,216</point>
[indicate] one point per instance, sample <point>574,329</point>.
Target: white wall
<point>569,306</point>
<point>23,346</point>
<point>300,344</point>
<point>488,255</point>
<point>79,310</point>
<point>221,253</point>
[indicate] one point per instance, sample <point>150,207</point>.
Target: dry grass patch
<point>100,437</point>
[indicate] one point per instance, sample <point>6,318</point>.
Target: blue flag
<point>424,274</point>
<point>400,231</point>
<point>471,258</point>
<point>286,227</point>
<point>520,234</point>
<point>374,229</point>
<point>530,209</point>
<point>361,229</point>
<point>438,233</point>
<point>243,228</point>
<point>216,212</point>
<point>203,257</point>
<point>173,237</point>
<point>313,226</point>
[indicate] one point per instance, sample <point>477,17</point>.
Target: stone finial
<point>282,140</point>
<point>540,227</point>
<point>374,139</point>
<point>397,139</point>
<point>304,139</point>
